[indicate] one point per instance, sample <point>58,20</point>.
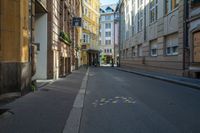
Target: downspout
<point>185,32</point>
<point>114,36</point>
<point>145,23</point>
<point>120,4</point>
<point>31,27</point>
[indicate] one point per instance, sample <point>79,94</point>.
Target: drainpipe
<point>185,32</point>
<point>31,27</point>
<point>120,26</point>
<point>114,37</point>
<point>145,24</point>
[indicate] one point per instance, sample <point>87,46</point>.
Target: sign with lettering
<point>77,22</point>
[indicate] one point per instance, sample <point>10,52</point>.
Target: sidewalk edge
<point>73,122</point>
<point>195,86</point>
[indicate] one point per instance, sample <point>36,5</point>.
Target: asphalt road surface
<point>121,102</point>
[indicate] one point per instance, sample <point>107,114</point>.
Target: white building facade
<point>107,33</point>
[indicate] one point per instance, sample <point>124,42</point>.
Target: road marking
<point>73,122</point>
<point>116,100</point>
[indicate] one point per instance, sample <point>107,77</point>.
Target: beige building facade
<point>63,38</point>
<point>15,58</point>
<point>194,37</point>
<point>90,32</point>
<point>152,36</point>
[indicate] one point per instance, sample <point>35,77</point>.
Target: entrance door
<point>62,67</point>
<point>196,52</point>
<point>56,65</point>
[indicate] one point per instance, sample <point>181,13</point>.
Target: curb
<point>195,86</point>
<point>44,84</point>
<point>74,120</point>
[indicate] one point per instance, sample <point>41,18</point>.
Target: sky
<point>108,1</point>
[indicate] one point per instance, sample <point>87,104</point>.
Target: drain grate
<point>2,111</point>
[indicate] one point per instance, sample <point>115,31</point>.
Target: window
<point>107,17</point>
<point>109,9</point>
<point>133,52</point>
<point>108,34</point>
<point>85,11</point>
<point>107,50</point>
<point>127,34</point>
<point>172,44</point>
<point>140,2</point>
<point>127,27</point>
<point>154,48</point>
<point>126,53</point>
<point>108,25</point>
<point>133,17</point>
<point>85,25</point>
<point>108,42</point>
<point>195,3</point>
<point>153,10</point>
<point>140,50</point>
<point>140,15</point>
<point>170,5</point>
<point>86,38</point>
<point>110,50</point>
<point>104,50</point>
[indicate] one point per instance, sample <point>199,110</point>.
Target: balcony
<point>41,6</point>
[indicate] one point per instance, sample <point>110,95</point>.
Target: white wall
<point>41,37</point>
<point>103,37</point>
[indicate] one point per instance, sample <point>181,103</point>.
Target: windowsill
<point>172,11</point>
<point>139,31</point>
<point>154,55</point>
<point>140,56</point>
<point>172,54</point>
<point>152,23</point>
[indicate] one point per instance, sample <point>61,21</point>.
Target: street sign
<point>77,22</point>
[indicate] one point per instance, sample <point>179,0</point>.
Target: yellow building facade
<point>90,35</point>
<point>15,68</point>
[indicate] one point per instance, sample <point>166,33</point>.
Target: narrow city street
<point>121,102</point>
<point>104,100</point>
<point>99,66</point>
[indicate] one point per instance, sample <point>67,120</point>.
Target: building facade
<point>116,36</point>
<point>15,56</point>
<point>193,19</point>
<point>63,38</point>
<point>107,33</point>
<point>90,35</point>
<point>152,36</point>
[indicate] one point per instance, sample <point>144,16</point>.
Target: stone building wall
<point>136,48</point>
